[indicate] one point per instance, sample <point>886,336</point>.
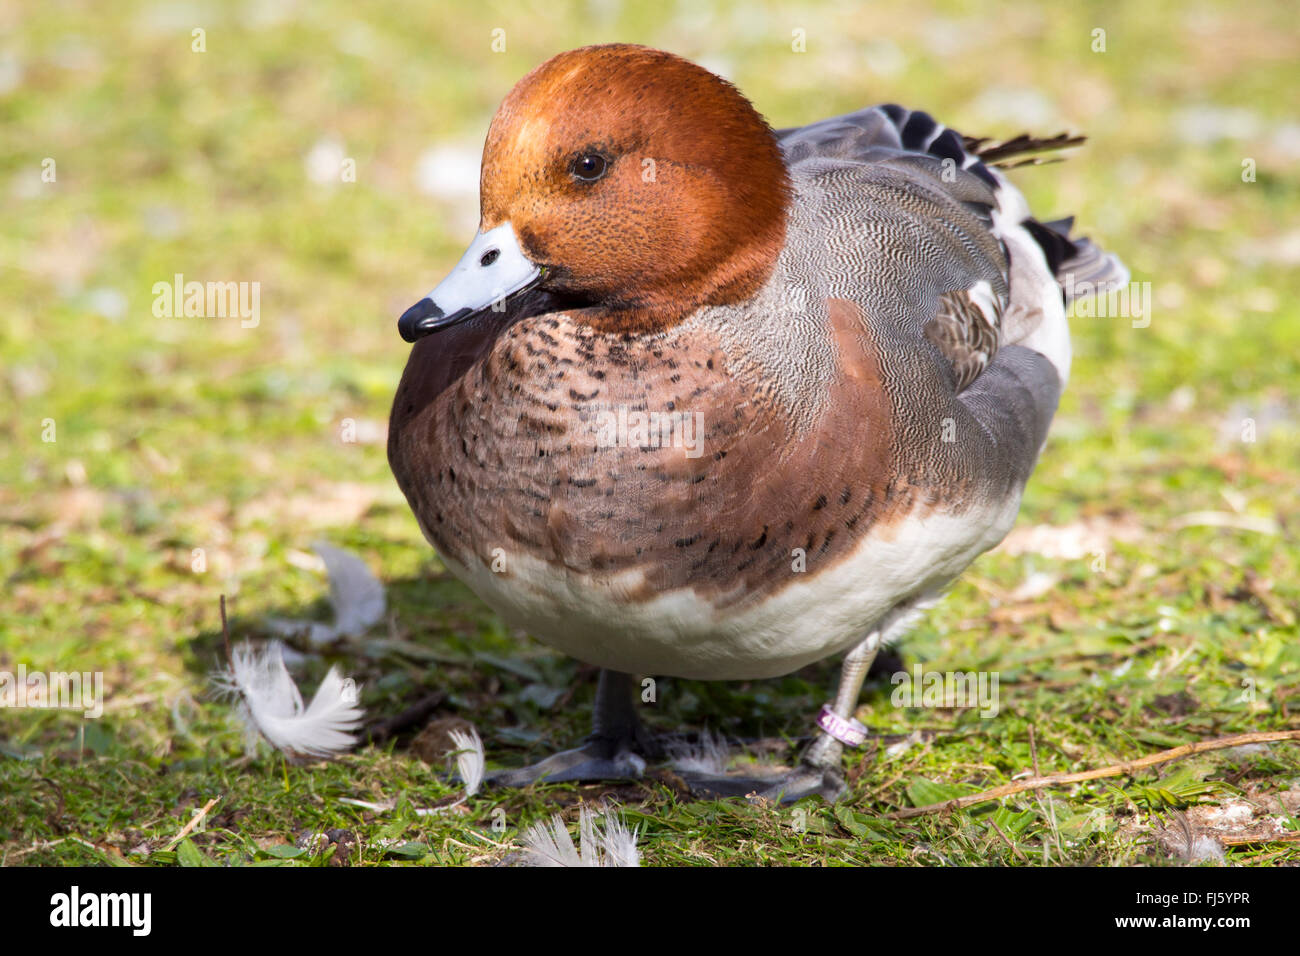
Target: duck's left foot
<point>818,774</point>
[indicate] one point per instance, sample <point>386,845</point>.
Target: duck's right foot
<point>616,750</point>
<point>600,758</point>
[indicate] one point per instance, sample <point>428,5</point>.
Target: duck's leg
<point>613,751</point>
<point>820,770</point>
<point>821,767</point>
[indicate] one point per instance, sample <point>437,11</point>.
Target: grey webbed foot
<point>597,759</point>
<point>616,749</point>
<point>802,781</point>
<point>817,775</point>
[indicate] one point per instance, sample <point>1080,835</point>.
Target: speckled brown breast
<point>502,449</point>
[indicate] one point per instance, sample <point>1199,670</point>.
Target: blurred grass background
<point>175,434</point>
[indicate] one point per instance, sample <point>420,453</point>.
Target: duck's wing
<point>960,289</point>
<point>1016,263</point>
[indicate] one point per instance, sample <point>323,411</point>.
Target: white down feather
<point>270,704</point>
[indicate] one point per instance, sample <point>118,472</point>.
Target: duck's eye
<point>589,167</point>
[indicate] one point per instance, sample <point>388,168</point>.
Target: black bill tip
<point>408,326</point>
<point>425,318</point>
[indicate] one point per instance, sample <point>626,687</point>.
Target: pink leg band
<point>847,730</point>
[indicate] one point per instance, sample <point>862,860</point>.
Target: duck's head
<point>624,179</point>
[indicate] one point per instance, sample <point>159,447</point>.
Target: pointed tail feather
<point>995,153</point>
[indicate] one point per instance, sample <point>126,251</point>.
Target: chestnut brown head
<point>628,179</point>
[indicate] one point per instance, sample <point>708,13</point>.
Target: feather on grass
<point>356,594</point>
<point>470,759</point>
<point>471,764</point>
<point>709,755</point>
<point>271,705</point>
<point>549,844</point>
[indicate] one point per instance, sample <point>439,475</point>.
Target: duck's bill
<point>492,270</point>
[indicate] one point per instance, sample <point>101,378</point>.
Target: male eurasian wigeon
<point>712,401</point>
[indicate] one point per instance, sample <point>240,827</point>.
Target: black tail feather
<point>1056,246</point>
<point>995,153</point>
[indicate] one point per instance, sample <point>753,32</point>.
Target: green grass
<point>177,434</point>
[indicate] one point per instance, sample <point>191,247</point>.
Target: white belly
<point>681,633</point>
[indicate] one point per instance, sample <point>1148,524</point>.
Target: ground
<point>1146,599</point>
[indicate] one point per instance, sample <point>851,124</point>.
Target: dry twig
<point>1114,770</point>
<point>194,821</point>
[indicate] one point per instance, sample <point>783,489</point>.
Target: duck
<point>707,399</point>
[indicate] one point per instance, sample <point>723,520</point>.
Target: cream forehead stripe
<point>532,129</point>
